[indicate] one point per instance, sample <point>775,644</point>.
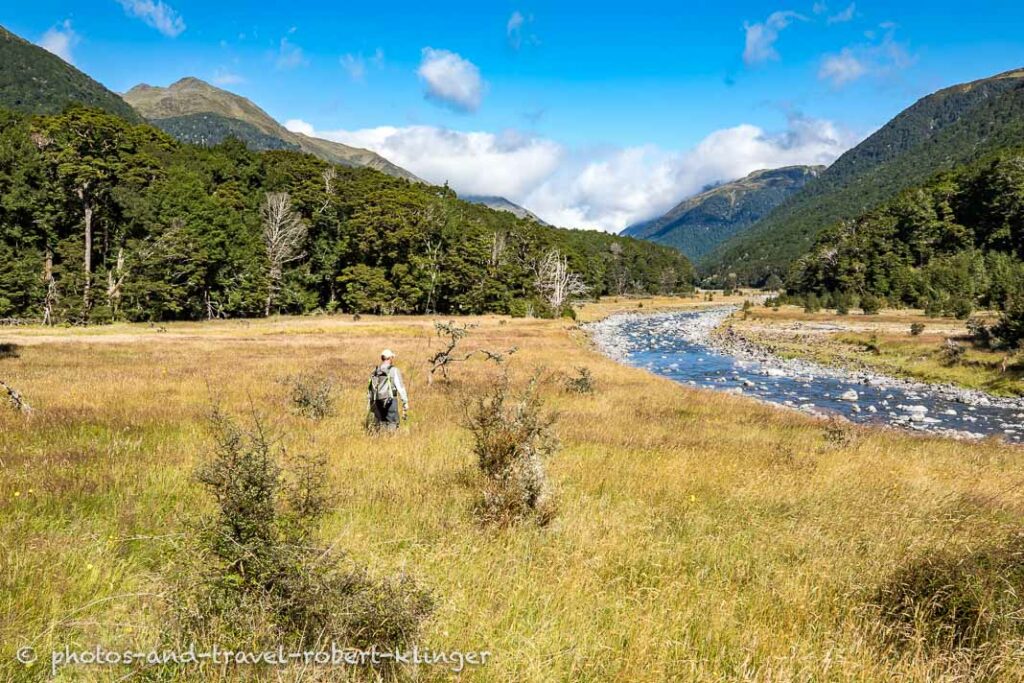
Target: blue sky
<point>592,115</point>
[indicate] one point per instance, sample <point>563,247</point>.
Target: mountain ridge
<point>940,131</point>
<point>167,108</point>
<point>698,223</point>
<point>35,81</point>
<point>502,204</point>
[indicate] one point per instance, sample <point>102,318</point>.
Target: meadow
<point>698,536</point>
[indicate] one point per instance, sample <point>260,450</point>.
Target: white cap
<point>387,353</point>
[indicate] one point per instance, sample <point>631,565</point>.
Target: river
<point>681,346</point>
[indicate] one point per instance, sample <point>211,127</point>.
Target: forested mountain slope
<point>698,224</point>
<point>33,80</point>
<point>951,127</point>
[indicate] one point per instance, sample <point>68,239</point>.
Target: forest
<point>103,219</point>
<point>949,247</point>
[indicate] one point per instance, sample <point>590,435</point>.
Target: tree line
<point>102,219</point>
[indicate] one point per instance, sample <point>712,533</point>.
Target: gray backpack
<point>381,387</point>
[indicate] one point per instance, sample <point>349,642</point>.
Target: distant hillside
<point>700,223</point>
<point>35,81</point>
<point>212,129</point>
<point>501,204</point>
<point>176,109</point>
<point>950,127</point>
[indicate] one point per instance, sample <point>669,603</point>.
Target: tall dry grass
<point>699,536</point>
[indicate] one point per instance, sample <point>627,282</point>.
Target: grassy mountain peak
<point>195,111</point>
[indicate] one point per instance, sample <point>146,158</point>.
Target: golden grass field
<point>883,343</point>
<point>699,536</point>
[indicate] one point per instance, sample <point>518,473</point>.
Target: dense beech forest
<point>950,247</point>
<point>103,219</point>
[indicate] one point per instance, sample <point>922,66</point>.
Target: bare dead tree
<point>556,283</point>
<point>284,233</point>
<point>15,397</point>
<point>330,175</point>
<point>453,333</point>
<point>50,300</point>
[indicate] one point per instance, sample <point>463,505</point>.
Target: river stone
<point>849,395</point>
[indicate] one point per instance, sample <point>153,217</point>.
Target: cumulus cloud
<point>60,40</point>
<point>605,189</point>
<point>880,59</point>
<point>451,80</point>
<point>761,37</point>
<point>155,13</point>
<point>300,126</point>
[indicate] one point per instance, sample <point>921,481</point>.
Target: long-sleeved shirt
<point>396,382</point>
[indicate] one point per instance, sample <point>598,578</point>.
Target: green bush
<point>512,436</point>
<point>256,575</point>
<point>871,304</point>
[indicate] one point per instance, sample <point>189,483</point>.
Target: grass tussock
<point>956,607</point>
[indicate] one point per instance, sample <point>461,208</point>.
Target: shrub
<point>838,433</point>
<point>258,577</point>
<point>312,396</point>
<point>961,307</point>
<point>812,304</point>
<point>512,435</point>
<point>955,602</point>
<point>952,353</point>
<point>916,329</point>
<point>871,304</point>
<point>580,383</point>
<point>981,334</point>
<point>1010,328</point>
<point>843,303</point>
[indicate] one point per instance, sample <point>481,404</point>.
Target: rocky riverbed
<point>689,348</point>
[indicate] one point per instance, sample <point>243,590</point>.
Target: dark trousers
<point>385,413</point>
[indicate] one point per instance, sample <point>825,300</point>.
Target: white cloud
<point>605,189</point>
<point>60,40</point>
<point>514,30</point>
<point>300,126</point>
<point>290,55</point>
<point>224,76</point>
<point>451,80</point>
<point>841,68</point>
<point>820,8</point>
<point>155,13</point>
<point>844,16</point>
<point>760,38</point>
<point>881,59</point>
<point>355,64</point>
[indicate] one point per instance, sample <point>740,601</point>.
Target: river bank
<point>695,349</point>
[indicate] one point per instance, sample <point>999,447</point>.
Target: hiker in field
<point>384,391</point>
